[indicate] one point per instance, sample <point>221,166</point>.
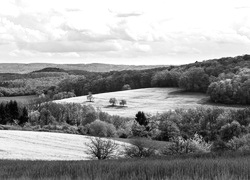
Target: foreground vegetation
<point>182,168</point>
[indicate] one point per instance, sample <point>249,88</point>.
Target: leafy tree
<point>24,117</point>
<point>45,117</point>
<point>141,118</point>
<point>90,97</point>
<point>126,87</point>
<point>229,131</point>
<point>194,79</point>
<point>113,101</point>
<point>101,149</point>
<point>123,102</point>
<point>102,129</point>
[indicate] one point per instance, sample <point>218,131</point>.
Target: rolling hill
<point>29,145</point>
<point>149,100</point>
<point>94,67</point>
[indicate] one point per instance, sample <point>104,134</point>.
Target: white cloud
<point>98,30</point>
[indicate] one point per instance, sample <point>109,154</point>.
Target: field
<point>221,168</point>
<point>20,99</point>
<point>28,145</point>
<point>149,100</point>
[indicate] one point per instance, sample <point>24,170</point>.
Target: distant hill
<point>94,67</point>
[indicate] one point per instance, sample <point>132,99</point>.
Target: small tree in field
<point>123,102</point>
<point>90,97</point>
<point>126,87</point>
<point>101,149</point>
<point>112,101</point>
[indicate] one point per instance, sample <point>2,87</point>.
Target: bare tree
<point>101,149</point>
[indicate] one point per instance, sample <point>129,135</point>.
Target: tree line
<point>226,80</point>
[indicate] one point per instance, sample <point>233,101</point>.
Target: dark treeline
<point>13,113</point>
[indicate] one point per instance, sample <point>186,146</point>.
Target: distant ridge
<point>94,67</point>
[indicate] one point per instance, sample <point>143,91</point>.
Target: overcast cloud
<point>123,32</point>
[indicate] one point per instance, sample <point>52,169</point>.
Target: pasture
<point>149,100</point>
<point>29,145</point>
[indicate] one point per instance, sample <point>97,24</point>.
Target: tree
<point>24,117</point>
<point>141,118</point>
<point>123,102</point>
<point>101,149</point>
<point>194,79</point>
<point>139,149</point>
<point>102,129</point>
<point>90,97</point>
<point>113,101</point>
<point>126,87</point>
<point>46,117</point>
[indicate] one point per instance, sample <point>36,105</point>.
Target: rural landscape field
<point>124,90</point>
<point>150,100</point>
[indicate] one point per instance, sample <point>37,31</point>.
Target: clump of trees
<point>233,89</point>
<point>13,113</point>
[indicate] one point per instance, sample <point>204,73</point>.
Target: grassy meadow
<point>221,168</point>
<point>30,145</point>
<point>149,100</point>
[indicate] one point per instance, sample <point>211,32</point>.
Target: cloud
<point>66,46</point>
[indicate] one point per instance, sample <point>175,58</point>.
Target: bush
<point>181,146</point>
<point>83,130</point>
<point>229,131</point>
<point>102,129</point>
<point>139,149</point>
<point>219,146</point>
<point>239,143</point>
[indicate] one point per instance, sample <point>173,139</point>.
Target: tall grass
<point>152,169</point>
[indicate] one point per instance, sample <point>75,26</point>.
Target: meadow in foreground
<point>224,168</point>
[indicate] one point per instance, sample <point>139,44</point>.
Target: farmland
<point>26,145</point>
<point>149,100</point>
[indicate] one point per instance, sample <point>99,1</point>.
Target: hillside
<point>149,100</point>
<point>94,67</point>
<point>28,145</point>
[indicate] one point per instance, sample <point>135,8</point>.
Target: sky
<point>137,32</point>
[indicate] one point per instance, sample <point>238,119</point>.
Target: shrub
<point>219,146</point>
<point>229,131</point>
<point>139,130</point>
<point>101,129</point>
<point>34,117</point>
<point>126,87</point>
<point>181,146</point>
<point>83,130</point>
<point>240,143</point>
<point>139,149</point>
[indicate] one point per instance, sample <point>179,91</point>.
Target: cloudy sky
<point>123,31</point>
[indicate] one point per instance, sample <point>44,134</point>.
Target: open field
<point>149,100</point>
<point>221,168</point>
<point>20,99</point>
<point>28,145</point>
